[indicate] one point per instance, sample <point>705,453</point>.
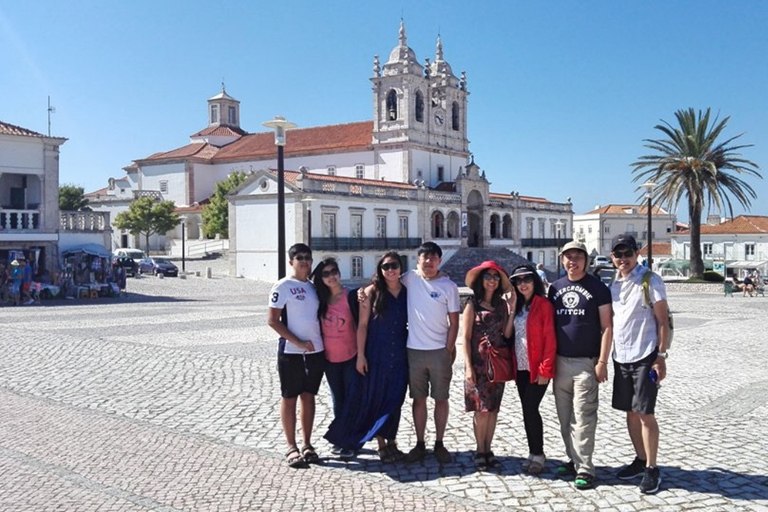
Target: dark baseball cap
<point>627,241</point>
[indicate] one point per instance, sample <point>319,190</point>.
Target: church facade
<point>355,190</point>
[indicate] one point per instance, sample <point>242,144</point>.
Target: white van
<point>135,254</point>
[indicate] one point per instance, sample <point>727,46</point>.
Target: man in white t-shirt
<point>433,324</point>
<point>300,358</point>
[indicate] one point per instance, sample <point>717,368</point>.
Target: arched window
<point>506,227</point>
<point>455,116</point>
<point>495,231</point>
<point>392,105</point>
<point>452,228</point>
<point>437,224</point>
<point>419,107</point>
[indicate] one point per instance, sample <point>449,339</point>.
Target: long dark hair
<point>323,292</point>
<point>380,284</point>
<point>538,286</point>
<point>479,291</point>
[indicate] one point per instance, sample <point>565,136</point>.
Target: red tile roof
<point>292,178</point>
<point>301,141</point>
<point>96,193</point>
<point>659,249</point>
<point>741,225</point>
<point>230,131</point>
<point>12,129</point>
<point>201,150</point>
<point>620,209</point>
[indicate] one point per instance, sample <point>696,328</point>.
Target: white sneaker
<point>527,462</point>
<point>537,464</point>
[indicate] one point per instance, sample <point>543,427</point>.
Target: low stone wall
<point>694,287</point>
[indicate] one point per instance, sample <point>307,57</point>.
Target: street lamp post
<point>559,227</point>
<point>280,125</point>
<point>649,186</point>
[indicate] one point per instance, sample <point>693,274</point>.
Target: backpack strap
<point>647,288</point>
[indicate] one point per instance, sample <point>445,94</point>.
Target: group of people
<point>399,333</point>
<point>16,284</point>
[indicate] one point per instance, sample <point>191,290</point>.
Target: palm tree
<point>691,163</point>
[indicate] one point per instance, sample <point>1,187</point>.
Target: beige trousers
<point>576,400</point>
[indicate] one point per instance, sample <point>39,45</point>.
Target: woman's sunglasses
<point>390,266</point>
<point>521,280</point>
<point>495,277</point>
<point>329,273</point>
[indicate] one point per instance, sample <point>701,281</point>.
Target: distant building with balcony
<point>31,225</point>
<point>599,227</point>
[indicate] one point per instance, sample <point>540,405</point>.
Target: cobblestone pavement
<point>168,400</point>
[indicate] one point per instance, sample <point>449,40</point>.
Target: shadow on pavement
<point>130,298</point>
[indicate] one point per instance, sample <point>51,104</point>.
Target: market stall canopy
<point>92,249</point>
<point>746,264</point>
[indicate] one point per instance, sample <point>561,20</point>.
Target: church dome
<point>402,58</point>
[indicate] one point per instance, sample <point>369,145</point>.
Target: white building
<point>31,225</point>
<point>404,177</point>
<point>741,243</point>
<point>599,227</point>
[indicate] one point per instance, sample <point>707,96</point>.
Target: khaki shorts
<point>430,369</point>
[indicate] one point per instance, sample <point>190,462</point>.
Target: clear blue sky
<point>562,92</point>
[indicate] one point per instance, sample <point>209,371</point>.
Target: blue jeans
<point>340,376</point>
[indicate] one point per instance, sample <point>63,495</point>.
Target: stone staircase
<point>464,259</point>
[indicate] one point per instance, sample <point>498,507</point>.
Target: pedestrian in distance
<point>640,343</point>
<point>534,357</point>
<point>487,319</point>
<point>293,308</point>
<point>583,327</point>
<point>339,330</point>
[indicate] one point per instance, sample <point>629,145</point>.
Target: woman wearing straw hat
<point>486,317</point>
<point>534,357</point>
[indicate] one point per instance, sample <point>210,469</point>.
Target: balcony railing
<point>19,220</point>
<point>543,242</point>
<point>363,244</point>
<point>84,221</point>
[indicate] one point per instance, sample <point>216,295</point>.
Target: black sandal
<point>309,454</point>
<point>481,461</point>
<point>294,459</point>
<point>491,460</point>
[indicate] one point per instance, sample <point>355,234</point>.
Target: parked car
<point>135,254</point>
<point>131,267</point>
<point>601,261</point>
<point>157,266</point>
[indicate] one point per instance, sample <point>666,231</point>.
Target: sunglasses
<point>329,273</point>
<point>624,254</point>
<point>523,279</point>
<point>390,266</point>
<point>302,257</point>
<point>495,277</point>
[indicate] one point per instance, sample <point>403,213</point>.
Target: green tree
<point>71,198</point>
<point>691,164</point>
<point>147,216</point>
<point>216,213</point>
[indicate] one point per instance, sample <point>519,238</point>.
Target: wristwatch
<point>663,355</point>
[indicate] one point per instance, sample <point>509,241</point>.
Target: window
<point>440,173</point>
<point>707,249</point>
<point>232,115</point>
<point>529,228</point>
<point>402,229</point>
<point>589,228</point>
<point>542,228</point>
<point>749,250</point>
<point>392,105</point>
<point>329,225</point>
<point>541,257</point>
<point>455,116</point>
<point>356,225</point>
<point>164,187</point>
<point>360,171</point>
<point>381,226</point>
<point>331,170</point>
<point>553,257</point>
<point>419,107</point>
<point>357,267</point>
<point>214,114</point>
<point>607,229</point>
<point>495,231</point>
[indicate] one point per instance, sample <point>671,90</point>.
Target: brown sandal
<point>294,459</point>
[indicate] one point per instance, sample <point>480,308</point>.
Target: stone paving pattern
<point>167,399</point>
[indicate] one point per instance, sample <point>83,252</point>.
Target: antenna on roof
<point>51,110</point>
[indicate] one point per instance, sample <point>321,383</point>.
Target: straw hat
<point>473,274</point>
